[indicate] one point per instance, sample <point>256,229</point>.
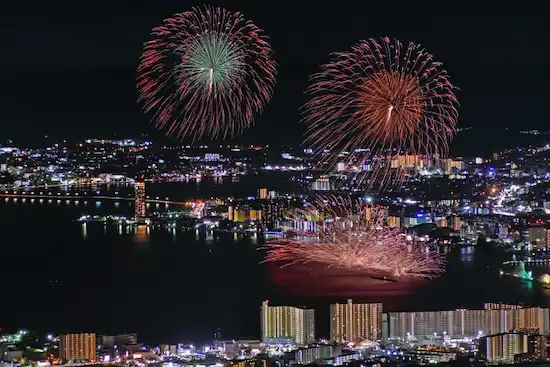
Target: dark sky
<point>68,70</point>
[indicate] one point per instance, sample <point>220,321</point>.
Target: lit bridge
<point>78,196</point>
<point>46,186</point>
<point>532,262</point>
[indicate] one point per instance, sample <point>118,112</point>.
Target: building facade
<point>297,324</point>
<point>77,346</point>
<point>503,347</point>
<point>467,323</point>
<point>312,354</point>
<point>351,322</point>
<point>123,341</point>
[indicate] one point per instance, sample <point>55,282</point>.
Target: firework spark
<point>357,241</point>
<point>206,72</point>
<point>378,101</point>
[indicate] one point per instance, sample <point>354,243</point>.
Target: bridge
<point>35,187</point>
<point>530,262</point>
<point>78,196</point>
<point>25,192</point>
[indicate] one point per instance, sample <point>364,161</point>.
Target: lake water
<point>172,286</point>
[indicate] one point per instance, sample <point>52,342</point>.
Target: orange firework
<point>377,104</point>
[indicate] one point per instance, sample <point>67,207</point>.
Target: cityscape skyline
<point>265,201</point>
<point>373,177</point>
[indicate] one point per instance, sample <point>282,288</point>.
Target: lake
<point>170,286</point>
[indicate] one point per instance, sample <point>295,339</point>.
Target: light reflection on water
<point>141,234</point>
<point>467,254</point>
<point>96,267</point>
<point>463,272</point>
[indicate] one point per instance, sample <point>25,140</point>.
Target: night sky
<point>68,70</point>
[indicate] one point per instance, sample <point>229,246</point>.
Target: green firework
<point>214,63</point>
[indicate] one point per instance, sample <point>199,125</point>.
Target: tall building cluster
<point>91,347</point>
<point>323,183</point>
<point>467,323</point>
<point>286,322</point>
<point>357,322</point>
<point>351,322</point>
<point>513,347</point>
<point>266,209</point>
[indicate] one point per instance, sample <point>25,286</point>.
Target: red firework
<point>379,101</point>
<point>357,241</point>
<point>206,72</point>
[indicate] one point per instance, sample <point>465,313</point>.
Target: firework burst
<point>206,72</point>
<point>354,237</point>
<point>378,101</point>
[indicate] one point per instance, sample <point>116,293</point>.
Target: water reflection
<point>467,254</point>
<point>318,280</point>
<point>141,235</point>
<point>154,257</point>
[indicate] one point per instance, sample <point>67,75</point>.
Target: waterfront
<point>57,275</point>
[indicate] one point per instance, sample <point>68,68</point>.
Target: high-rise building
<point>230,212</point>
<point>255,214</point>
<point>77,346</point>
<point>262,193</point>
<point>239,215</point>
<point>352,322</point>
<point>407,161</point>
<point>533,319</point>
<point>287,322</point>
<point>306,356</point>
<point>537,236</point>
<point>393,221</point>
<point>451,166</point>
<point>321,184</point>
<point>501,306</point>
<point>538,349</point>
<point>442,222</point>
<point>274,211</point>
<point>468,323</point>
<point>140,205</point>
<point>456,223</point>
<point>501,348</point>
